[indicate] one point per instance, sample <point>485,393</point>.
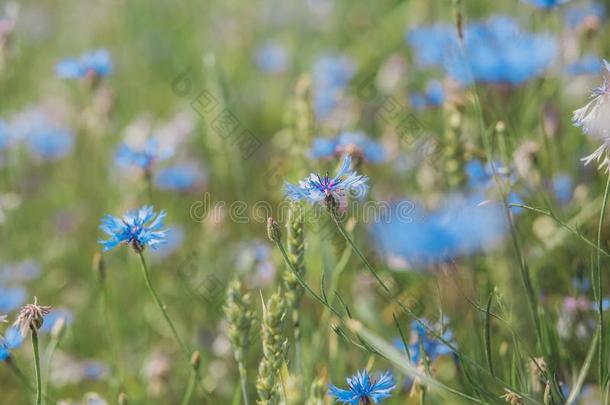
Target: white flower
<point>2,318</point>
<point>594,119</point>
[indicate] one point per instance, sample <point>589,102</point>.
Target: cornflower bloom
<point>31,317</point>
<point>356,144</point>
<point>594,119</point>
<point>364,390</point>
<point>331,190</point>
<point>90,65</point>
<point>143,157</point>
<point>137,228</point>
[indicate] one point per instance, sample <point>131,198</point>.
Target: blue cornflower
<point>363,390</point>
<point>272,58</point>
<point>181,177</point>
<point>494,51</point>
<point>433,347</point>
<point>332,190</point>
<point>138,228</point>
<point>12,339</point>
<point>546,3</point>
<point>587,65</point>
<point>145,157</point>
<point>411,236</point>
<point>431,43</point>
<point>356,144</point>
<point>433,96</point>
<point>584,15</point>
<point>93,64</point>
<point>331,74</point>
<point>51,142</point>
<point>11,298</point>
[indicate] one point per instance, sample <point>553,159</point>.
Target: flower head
<point>332,190</point>
<point>331,75</point>
<point>181,177</point>
<point>364,390</point>
<point>143,157</point>
<point>31,317</point>
<point>585,16</point>
<point>495,50</point>
<point>272,58</point>
<point>51,142</point>
<point>93,64</point>
<point>432,347</point>
<point>594,119</point>
<point>137,228</point>
<point>356,144</point>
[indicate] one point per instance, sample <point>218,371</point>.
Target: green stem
<point>163,309</point>
<point>162,306</point>
<point>303,283</point>
<point>242,382</point>
<point>297,341</point>
<point>37,366</point>
<point>190,388</point>
<point>602,347</point>
<point>364,260</point>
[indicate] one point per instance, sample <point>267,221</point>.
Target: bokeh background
<point>280,74</point>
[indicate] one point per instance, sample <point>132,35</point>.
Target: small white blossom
<point>594,119</point>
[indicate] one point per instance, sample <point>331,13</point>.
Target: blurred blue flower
<point>545,3</point>
<point>19,272</point>
<point>563,187</point>
<point>91,64</point>
<point>11,298</point>
<point>55,316</point>
<point>272,58</point>
<point>51,142</point>
<point>584,14</point>
<point>181,177</point>
<point>587,65</point>
<point>137,228</point>
<point>433,96</point>
<point>363,390</point>
<point>331,74</point>
<point>317,189</point>
<point>431,43</point>
<point>421,338</point>
<point>494,51</point>
<point>145,157</point>
<point>12,339</point>
<point>462,224</point>
<point>356,144</point>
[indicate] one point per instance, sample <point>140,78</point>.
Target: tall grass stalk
<point>37,366</point>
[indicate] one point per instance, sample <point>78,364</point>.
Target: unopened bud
<point>196,360</point>
<point>273,230</point>
<point>98,266</point>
